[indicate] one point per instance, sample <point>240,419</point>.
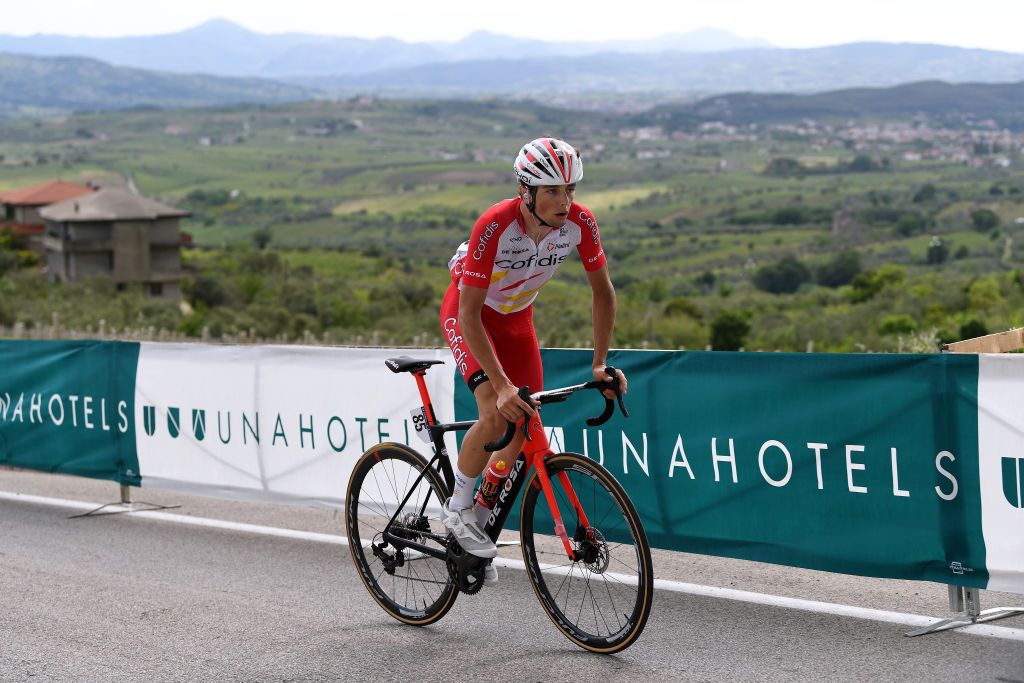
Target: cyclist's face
<point>553,202</point>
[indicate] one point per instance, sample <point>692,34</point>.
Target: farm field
<point>863,235</point>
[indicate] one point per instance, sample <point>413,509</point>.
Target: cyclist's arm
<point>603,311</point>
<point>471,303</point>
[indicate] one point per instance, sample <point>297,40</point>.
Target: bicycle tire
<point>620,618</point>
<point>418,590</point>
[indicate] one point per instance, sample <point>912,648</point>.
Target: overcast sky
<point>991,24</point>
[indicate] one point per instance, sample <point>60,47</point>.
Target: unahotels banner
<point>890,465</point>
<point>900,466</point>
<point>282,424</point>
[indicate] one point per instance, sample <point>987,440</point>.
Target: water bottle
<point>494,477</point>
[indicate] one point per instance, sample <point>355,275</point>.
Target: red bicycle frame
<point>533,453</point>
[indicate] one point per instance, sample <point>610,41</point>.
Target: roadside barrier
<point>889,465</point>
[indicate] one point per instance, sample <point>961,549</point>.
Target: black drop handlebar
<point>562,394</point>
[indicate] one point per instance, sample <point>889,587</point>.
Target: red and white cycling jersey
<point>500,257</point>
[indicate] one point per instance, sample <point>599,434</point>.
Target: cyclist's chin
<point>558,219</point>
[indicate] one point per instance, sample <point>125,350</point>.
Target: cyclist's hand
<point>511,407</point>
<point>601,376</point>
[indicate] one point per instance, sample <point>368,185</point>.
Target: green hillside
<point>53,84</point>
<point>874,234</point>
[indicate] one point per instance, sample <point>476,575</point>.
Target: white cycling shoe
<point>464,527</point>
<point>490,575</point>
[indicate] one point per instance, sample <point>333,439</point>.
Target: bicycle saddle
<point>406,364</point>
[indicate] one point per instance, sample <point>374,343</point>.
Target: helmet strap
<point>531,206</point>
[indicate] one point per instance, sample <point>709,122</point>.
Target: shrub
<point>973,328</point>
<point>681,306</point>
<point>840,270</point>
<point>911,224</point>
<point>206,291</point>
<point>869,283</point>
<point>926,193</point>
<point>897,324</point>
<point>729,330</point>
<point>785,277</point>
<point>984,219</point>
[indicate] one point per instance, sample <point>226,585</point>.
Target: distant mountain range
<point>755,70</point>
<point>1003,103</point>
<point>225,48</point>
<point>51,84</point>
<point>702,61</point>
<point>48,84</point>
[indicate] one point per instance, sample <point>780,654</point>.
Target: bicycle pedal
<point>506,544</point>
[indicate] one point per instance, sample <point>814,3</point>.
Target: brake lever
<point>609,405</point>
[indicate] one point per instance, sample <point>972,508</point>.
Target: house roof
<point>110,204</point>
<point>44,193</point>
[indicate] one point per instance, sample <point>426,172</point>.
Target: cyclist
<point>487,312</point>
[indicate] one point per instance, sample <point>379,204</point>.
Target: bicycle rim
<point>412,587</point>
<point>602,601</point>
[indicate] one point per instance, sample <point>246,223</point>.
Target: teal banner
<point>889,465</point>
<point>860,464</point>
<point>69,406</point>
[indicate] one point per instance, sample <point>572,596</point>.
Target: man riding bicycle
<point>487,313</point>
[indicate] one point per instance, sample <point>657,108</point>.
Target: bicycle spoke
<point>598,609</point>
<point>409,584</point>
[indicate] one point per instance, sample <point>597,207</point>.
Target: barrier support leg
<point>126,504</point>
<point>968,601</point>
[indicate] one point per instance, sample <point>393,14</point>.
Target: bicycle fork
<point>536,458</point>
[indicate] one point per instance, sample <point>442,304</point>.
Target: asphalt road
<point>123,598</point>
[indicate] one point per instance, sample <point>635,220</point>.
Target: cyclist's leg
<point>472,456</point>
<point>518,351</point>
<point>459,515</point>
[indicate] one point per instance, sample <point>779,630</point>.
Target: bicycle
<point>593,576</point>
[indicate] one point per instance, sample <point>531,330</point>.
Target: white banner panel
<point>1001,464</point>
<point>283,424</point>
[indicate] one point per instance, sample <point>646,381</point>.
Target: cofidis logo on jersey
<point>488,233</point>
<point>532,260</point>
<point>591,223</point>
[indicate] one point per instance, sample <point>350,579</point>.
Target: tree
<point>682,306</point>
<point>784,167</point>
<point>937,251</point>
<point>785,277</point>
<point>861,164</point>
<point>262,237</point>
<point>911,224</point>
<point>869,283</point>
<point>207,291</point>
<point>973,328</point>
<point>926,193</point>
<point>985,219</point>
<point>705,280</point>
<point>729,330</point>
<point>897,324</point>
<point>840,270</point>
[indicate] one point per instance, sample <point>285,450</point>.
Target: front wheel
<point>410,585</point>
<point>601,600</point>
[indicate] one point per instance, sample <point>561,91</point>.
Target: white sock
<point>462,496</point>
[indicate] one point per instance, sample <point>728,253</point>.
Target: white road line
<point>851,611</point>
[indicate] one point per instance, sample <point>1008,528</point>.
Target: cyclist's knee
<point>492,422</point>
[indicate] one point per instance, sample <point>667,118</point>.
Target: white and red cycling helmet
<point>548,161</point>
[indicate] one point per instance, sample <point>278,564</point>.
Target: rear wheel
<point>410,585</point>
<point>601,600</point>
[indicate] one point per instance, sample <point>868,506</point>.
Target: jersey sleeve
<point>483,245</point>
<point>591,252</point>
